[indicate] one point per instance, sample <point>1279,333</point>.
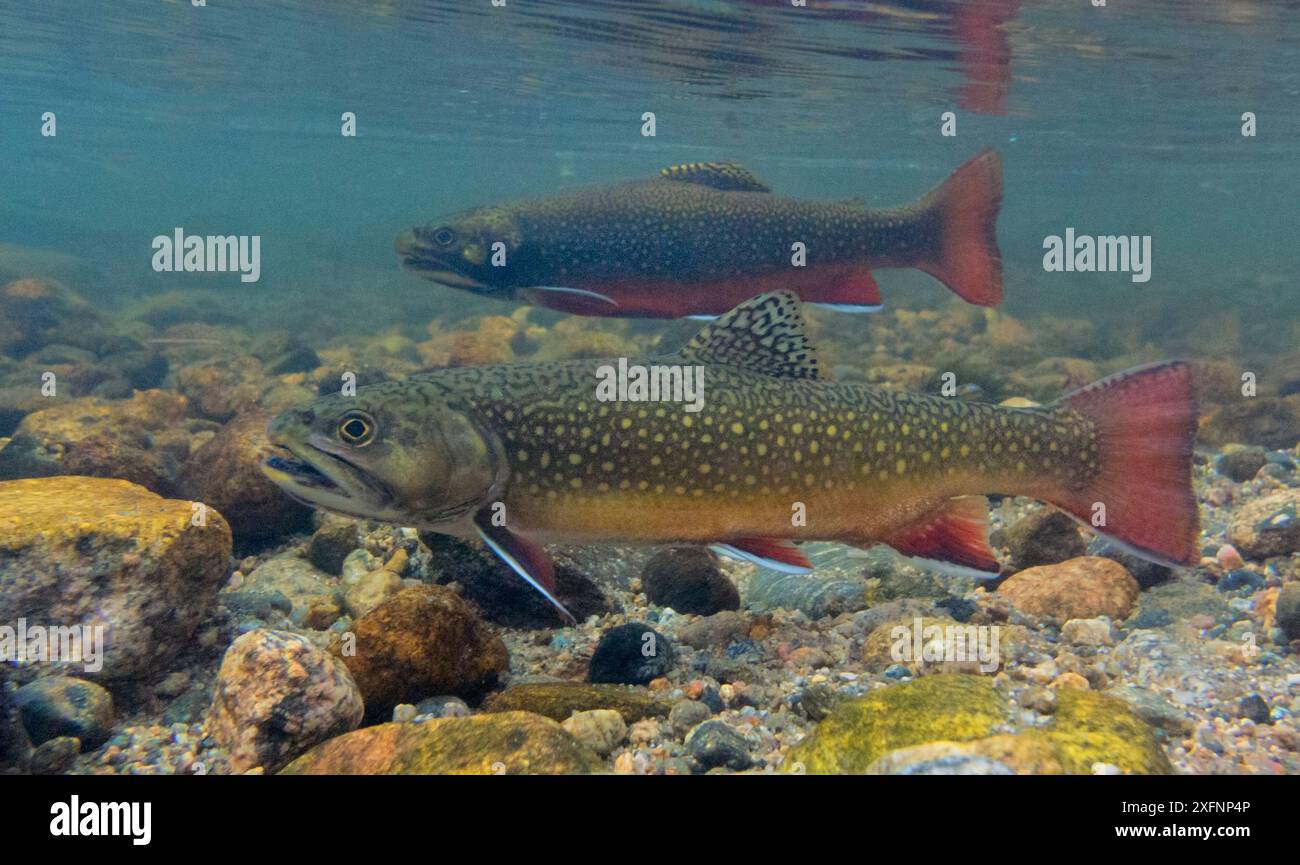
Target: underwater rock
<point>374,588</point>
<point>1087,728</point>
<point>426,641</point>
<point>1241,462</point>
<point>1044,537</point>
<point>630,654</point>
<point>145,440</point>
<point>1179,601</point>
<point>40,312</point>
<point>1148,574</point>
<point>175,307</point>
<point>686,714</point>
<point>15,746</point>
<point>815,595</point>
<point>716,630</point>
<point>225,473</point>
<point>221,389</point>
<point>281,352</point>
<point>559,700</point>
<point>1265,527</point>
<point>1053,376</point>
<point>599,729</point>
<point>714,744</point>
<point>277,695</point>
<point>1288,611</point>
<point>292,577</point>
<point>331,544</point>
<point>511,743</point>
<point>55,756</point>
<point>688,580</point>
<point>1088,632</point>
<point>1271,422</point>
<point>500,595</point>
<point>937,758</point>
<point>89,551</point>
<point>58,706</point>
<point>1080,588</point>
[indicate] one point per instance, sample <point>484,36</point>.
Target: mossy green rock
<point>956,708</point>
<point>1098,728</point>
<point>559,700</point>
<point>509,743</point>
<point>1088,728</point>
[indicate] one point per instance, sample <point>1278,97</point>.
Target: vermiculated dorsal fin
<point>764,334</point>
<point>730,176</point>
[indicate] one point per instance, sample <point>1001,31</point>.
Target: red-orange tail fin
<point>966,257</point>
<point>1141,496</point>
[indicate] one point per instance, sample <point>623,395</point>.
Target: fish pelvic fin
<point>775,553</point>
<point>525,558</point>
<point>965,254</point>
<point>1141,493</point>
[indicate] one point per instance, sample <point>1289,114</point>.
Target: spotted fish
<point>700,238</point>
<point>774,454</point>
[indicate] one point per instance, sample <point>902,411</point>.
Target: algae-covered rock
<point>945,707</point>
<point>688,580</point>
<point>426,641</point>
<point>1044,537</point>
<point>277,695</point>
<point>559,700</point>
<point>145,439</point>
<point>1080,588</point>
<point>963,717</point>
<point>96,552</point>
<point>510,743</point>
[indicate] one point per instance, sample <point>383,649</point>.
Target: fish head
<point>470,250</point>
<point>392,452</point>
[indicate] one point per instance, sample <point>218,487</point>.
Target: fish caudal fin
<point>966,257</point>
<point>1141,495</point>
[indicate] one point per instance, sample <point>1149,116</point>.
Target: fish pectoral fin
<point>578,301</point>
<point>727,176</point>
<point>525,558</point>
<point>775,553</point>
<point>954,536</point>
<point>765,334</point>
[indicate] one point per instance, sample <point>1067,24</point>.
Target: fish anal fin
<point>726,176</point>
<point>765,334</point>
<point>776,553</point>
<point>955,533</point>
<point>525,558</point>
<point>851,287</point>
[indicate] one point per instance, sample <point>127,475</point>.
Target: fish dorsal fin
<point>730,176</point>
<point>764,334</point>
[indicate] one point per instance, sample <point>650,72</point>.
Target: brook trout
<point>773,454</point>
<point>701,238</point>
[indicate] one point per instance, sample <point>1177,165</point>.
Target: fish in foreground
<point>701,238</point>
<point>525,454</point>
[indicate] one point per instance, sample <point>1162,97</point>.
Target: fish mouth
<point>418,258</point>
<point>317,477</point>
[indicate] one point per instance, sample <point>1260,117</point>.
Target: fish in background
<point>699,239</point>
<point>526,454</point>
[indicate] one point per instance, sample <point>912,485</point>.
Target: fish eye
<point>357,428</point>
<point>444,237</point>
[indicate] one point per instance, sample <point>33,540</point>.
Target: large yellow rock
<point>92,551</point>
<point>902,728</point>
<point>509,743</point>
